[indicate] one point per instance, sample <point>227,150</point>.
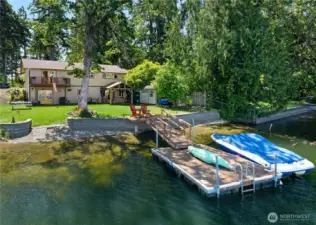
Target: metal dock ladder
<point>252,177</point>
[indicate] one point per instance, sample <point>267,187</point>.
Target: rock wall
<point>106,124</point>
<point>17,130</point>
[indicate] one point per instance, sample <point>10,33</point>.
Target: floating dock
<point>215,181</point>
<point>210,179</point>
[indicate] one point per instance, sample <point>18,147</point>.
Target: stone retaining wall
<point>17,130</point>
<point>106,124</point>
<point>127,125</point>
<point>281,115</point>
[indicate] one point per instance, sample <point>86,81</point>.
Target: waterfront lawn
<point>57,114</point>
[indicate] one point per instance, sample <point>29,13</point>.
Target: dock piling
<point>275,170</point>
<point>217,178</point>
<point>157,139</point>
<point>193,130</point>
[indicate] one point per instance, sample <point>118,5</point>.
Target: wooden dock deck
<point>210,179</point>
<point>171,129</point>
<point>204,175</point>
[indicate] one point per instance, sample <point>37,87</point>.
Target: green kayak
<point>208,157</point>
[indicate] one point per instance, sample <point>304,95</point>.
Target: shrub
<point>4,135</point>
<point>84,113</point>
<point>142,74</point>
<point>17,94</point>
<point>170,83</point>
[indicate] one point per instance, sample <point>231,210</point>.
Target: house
<point>47,82</point>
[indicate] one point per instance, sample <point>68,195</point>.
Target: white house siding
<point>95,84</point>
<point>94,92</point>
<point>72,95</point>
<point>60,93</point>
<point>35,73</point>
<point>33,94</point>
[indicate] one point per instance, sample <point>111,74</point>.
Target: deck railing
<point>48,81</point>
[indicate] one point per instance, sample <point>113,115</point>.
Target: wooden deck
<point>170,131</point>
<point>204,175</point>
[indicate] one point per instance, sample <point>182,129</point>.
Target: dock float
<point>215,181</point>
<point>210,179</point>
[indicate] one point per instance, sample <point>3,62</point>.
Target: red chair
<point>144,109</point>
<point>134,111</point>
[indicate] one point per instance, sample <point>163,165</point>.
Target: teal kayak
<point>208,157</point>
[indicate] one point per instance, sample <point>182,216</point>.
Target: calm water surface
<point>91,182</point>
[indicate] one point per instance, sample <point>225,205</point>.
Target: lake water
<point>114,180</point>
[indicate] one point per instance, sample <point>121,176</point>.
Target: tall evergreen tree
<point>89,17</point>
<point>152,19</point>
<point>235,54</point>
<point>297,21</point>
<point>50,29</point>
<point>13,33</point>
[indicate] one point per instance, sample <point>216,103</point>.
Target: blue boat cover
<point>260,146</point>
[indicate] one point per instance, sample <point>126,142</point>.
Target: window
<point>151,94</point>
<point>104,75</point>
<point>79,91</point>
<point>115,76</point>
<point>91,76</point>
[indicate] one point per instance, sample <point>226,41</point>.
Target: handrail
<point>184,123</point>
<point>176,118</point>
<point>165,126</point>
<point>253,168</point>
<point>44,80</point>
<point>253,174</point>
<point>182,128</point>
<point>241,176</point>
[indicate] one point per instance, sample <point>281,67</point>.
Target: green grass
<point>55,114</point>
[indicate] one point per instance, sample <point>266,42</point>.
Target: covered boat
<point>259,150</point>
<point>208,157</point>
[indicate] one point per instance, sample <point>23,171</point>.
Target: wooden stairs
<point>176,132</point>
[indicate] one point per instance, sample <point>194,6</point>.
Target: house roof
<point>59,65</point>
<point>113,84</point>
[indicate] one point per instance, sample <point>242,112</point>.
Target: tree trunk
<point>24,50</point>
<point>52,53</point>
<point>84,94</point>
<point>4,62</point>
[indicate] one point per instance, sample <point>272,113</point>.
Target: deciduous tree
<point>142,75</point>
